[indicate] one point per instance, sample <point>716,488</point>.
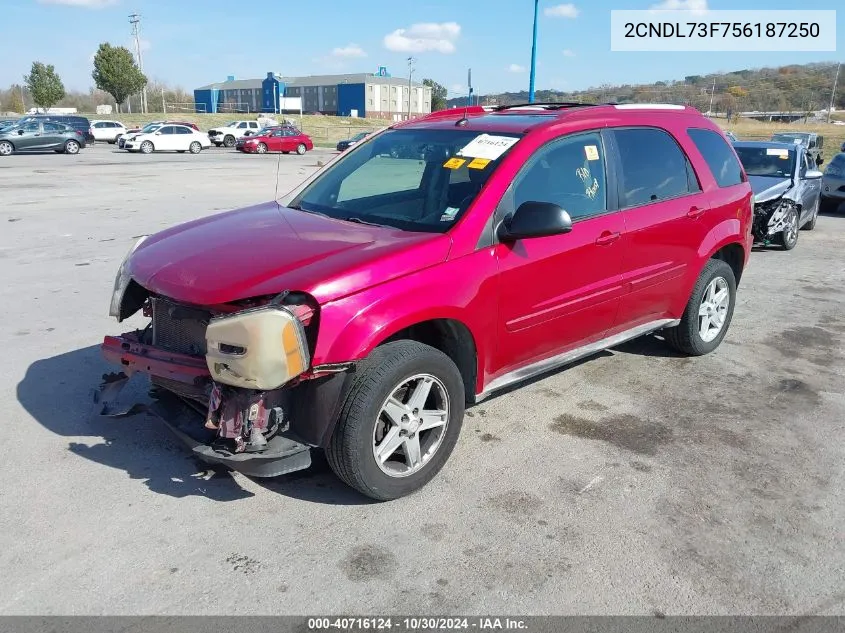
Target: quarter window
<point>569,172</point>
<point>718,155</point>
<point>654,167</point>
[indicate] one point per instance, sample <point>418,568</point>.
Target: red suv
<point>430,266</point>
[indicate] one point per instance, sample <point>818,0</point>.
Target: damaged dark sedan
<point>787,190</point>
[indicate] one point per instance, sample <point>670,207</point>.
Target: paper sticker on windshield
<point>776,151</point>
<point>479,163</point>
<point>454,163</point>
<point>449,214</point>
<point>488,146</point>
<point>592,152</point>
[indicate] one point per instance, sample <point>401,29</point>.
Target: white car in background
<point>108,131</point>
<point>228,135</point>
<point>168,138</point>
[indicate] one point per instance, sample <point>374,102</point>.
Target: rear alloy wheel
<point>789,236</point>
<point>261,149</point>
<point>400,420</point>
<point>147,147</point>
<point>301,149</point>
<point>229,141</point>
<point>708,313</point>
<point>71,147</point>
<point>6,148</point>
<point>195,147</point>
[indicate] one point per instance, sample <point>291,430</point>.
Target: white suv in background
<point>229,134</point>
<point>108,131</point>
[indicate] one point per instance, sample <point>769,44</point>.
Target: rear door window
<point>718,155</point>
<point>653,167</point>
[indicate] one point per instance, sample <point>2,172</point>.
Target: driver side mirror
<point>20,132</point>
<point>534,219</point>
<point>813,174</point>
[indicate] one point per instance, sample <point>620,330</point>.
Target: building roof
<point>311,80</point>
<point>237,84</point>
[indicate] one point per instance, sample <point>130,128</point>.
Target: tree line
<point>115,73</point>
<point>796,88</point>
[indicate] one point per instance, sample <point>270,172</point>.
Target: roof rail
<point>451,112</point>
<point>544,105</point>
<point>650,106</point>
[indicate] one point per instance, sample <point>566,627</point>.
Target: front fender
<point>462,289</point>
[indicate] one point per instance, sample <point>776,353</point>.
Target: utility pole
<point>163,102</point>
<point>533,55</point>
<point>411,61</point>
<point>833,92</point>
<point>135,20</point>
<point>712,92</point>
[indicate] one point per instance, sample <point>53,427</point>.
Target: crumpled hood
<point>767,188</point>
<point>267,248</point>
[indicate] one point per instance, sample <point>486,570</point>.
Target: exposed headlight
<point>121,281</point>
<point>260,348</point>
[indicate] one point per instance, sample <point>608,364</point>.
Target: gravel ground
<point>632,483</point>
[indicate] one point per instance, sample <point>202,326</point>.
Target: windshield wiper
<point>360,221</point>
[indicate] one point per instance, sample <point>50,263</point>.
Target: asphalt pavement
<point>635,482</point>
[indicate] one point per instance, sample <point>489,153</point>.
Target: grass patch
<point>749,130</point>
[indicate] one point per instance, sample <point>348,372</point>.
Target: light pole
<point>411,61</point>
<point>833,92</point>
<point>134,20</point>
<point>533,55</point>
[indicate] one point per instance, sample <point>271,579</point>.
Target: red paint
<point>520,302</point>
<point>276,143</point>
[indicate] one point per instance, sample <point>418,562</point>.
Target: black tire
<point>229,141</point>
<point>350,451</point>
<point>216,144</point>
<point>195,147</point>
<point>71,147</point>
<point>686,336</point>
<point>788,239</point>
<point>285,152</point>
<point>147,147</point>
<point>261,148</point>
<point>301,149</point>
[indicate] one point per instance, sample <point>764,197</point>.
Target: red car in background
<point>283,139</point>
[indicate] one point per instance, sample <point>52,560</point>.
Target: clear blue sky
<point>194,42</point>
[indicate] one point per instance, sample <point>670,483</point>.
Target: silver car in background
<point>833,184</point>
<point>787,190</point>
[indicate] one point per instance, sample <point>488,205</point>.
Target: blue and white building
<point>374,95</point>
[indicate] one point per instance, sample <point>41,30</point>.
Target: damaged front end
<point>771,218</point>
<point>234,382</point>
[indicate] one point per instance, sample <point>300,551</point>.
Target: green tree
<point>44,85</point>
<point>15,103</point>
<point>438,94</point>
<point>116,72</point>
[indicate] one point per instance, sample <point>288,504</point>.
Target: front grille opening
<point>178,328</point>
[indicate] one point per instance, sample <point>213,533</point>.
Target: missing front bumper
<point>278,456</point>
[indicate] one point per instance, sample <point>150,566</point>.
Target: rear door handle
<point>695,212</point>
<point>607,238</point>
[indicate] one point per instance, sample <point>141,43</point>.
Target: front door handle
<point>695,212</point>
<point>607,238</point>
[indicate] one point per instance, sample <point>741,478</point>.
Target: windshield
<point>836,167</point>
<point>412,179</point>
<point>767,161</point>
<point>151,127</point>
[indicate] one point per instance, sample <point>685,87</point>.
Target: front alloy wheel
<point>401,417</point>
<point>6,148</point>
<point>789,235</point>
<point>411,425</point>
<point>261,149</point>
<point>147,147</point>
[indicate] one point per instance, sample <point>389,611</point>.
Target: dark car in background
<point>80,123</point>
<point>345,145</point>
<point>787,189</point>
<point>833,184</point>
<point>812,141</point>
<point>40,135</point>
